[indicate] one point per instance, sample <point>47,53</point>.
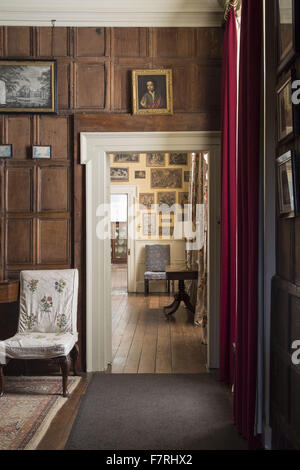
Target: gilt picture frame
<point>288,35</point>
<point>287,112</point>
<point>152,92</point>
<point>288,185</point>
<point>28,86</point>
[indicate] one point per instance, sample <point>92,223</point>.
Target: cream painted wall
<point>177,247</point>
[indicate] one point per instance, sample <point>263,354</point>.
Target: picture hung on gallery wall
<point>152,92</point>
<point>288,31</point>
<point>288,184</point>
<point>28,86</point>
<point>287,112</point>
<point>6,151</point>
<point>41,151</point>
<point>126,158</point>
<point>119,174</point>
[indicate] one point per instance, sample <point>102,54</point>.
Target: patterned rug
<point>27,409</point>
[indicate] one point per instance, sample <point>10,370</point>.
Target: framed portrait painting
<point>288,185</point>
<point>152,91</point>
<point>288,18</point>
<point>28,86</point>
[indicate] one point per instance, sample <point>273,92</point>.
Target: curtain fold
<point>228,201</point>
<point>247,229</point>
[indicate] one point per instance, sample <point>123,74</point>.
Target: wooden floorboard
<point>145,341</point>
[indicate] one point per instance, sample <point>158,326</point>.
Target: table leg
<point>182,296</point>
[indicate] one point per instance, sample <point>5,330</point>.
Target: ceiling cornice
<point>180,13</point>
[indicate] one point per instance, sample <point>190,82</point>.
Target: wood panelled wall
<point>42,202</point>
<point>285,377</point>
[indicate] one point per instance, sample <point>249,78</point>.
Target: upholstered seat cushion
<point>32,345</point>
<point>154,275</point>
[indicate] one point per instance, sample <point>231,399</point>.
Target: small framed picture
<point>119,174</point>
<point>152,91</point>
<point>140,174</point>
<point>286,111</point>
<point>186,176</point>
<point>41,151</point>
<point>155,159</point>
<point>288,185</point>
<point>178,159</point>
<point>146,200</point>
<point>288,35</point>
<point>126,158</point>
<point>5,150</point>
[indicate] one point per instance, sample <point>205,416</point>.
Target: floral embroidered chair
<point>157,258</point>
<point>47,321</point>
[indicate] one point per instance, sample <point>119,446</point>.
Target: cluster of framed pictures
<point>38,151</point>
<point>160,177</point>
<point>288,45</point>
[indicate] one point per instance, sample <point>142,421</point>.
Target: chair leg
<point>64,362</point>
<point>168,287</point>
<point>1,380</point>
<point>146,286</point>
<point>74,356</point>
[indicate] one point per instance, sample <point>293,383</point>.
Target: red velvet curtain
<point>229,201</point>
<point>248,189</point>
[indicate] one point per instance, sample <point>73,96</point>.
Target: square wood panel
<point>90,85</point>
<point>20,200</point>
<point>19,238</point>
<point>129,42</point>
<point>18,41</point>
<point>53,241</point>
<point>173,42</point>
<point>53,189</point>
<point>19,134</point>
<point>53,42</point>
<point>54,131</point>
<point>90,42</point>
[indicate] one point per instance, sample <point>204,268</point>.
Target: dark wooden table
<point>180,273</point>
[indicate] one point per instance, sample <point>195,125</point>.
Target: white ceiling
<point>145,13</point>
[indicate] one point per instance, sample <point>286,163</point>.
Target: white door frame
<point>131,191</point>
<point>94,149</point>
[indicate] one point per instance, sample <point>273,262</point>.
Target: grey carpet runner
<point>155,412</point>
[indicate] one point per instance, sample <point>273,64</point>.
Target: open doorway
<point>168,233</point>
<point>95,151</point>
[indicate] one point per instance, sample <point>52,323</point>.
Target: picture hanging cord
<point>52,37</point>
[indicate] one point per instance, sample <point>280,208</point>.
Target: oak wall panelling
<point>42,209</point>
<point>285,318</point>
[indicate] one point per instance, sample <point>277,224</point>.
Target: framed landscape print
<point>178,159</point>
<point>119,174</point>
<point>286,112</point>
<point>288,18</point>
<point>155,159</point>
<point>28,86</point>
<point>126,158</point>
<point>6,151</point>
<point>152,91</point>
<point>146,200</point>
<point>166,178</point>
<point>41,151</point>
<point>288,185</point>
